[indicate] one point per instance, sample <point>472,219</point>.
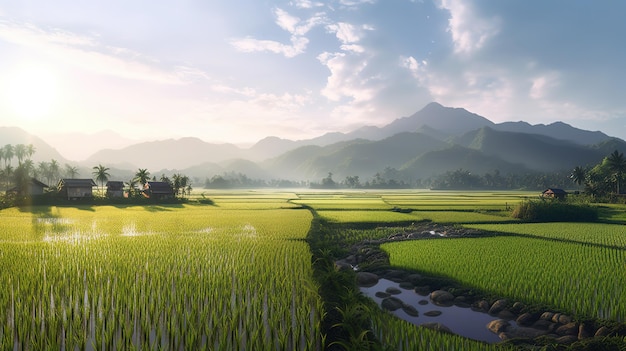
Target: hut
<point>554,193</point>
<point>158,190</point>
<point>115,188</point>
<point>76,188</point>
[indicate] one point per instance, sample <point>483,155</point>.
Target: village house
<point>554,193</point>
<point>158,190</point>
<point>76,188</point>
<point>33,188</point>
<point>115,188</point>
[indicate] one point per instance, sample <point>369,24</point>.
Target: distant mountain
<point>90,143</point>
<point>170,153</point>
<point>535,151</point>
<point>557,130</point>
<point>43,151</point>
<point>457,157</point>
<point>359,157</point>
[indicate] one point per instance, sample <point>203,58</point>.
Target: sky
<point>240,70</point>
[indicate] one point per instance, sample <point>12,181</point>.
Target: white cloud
<point>297,47</point>
<point>86,52</point>
<point>306,4</point>
<point>469,31</point>
<point>285,21</point>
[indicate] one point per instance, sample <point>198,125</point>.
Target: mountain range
<point>432,141</point>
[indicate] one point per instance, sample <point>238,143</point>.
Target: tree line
<point>180,183</point>
<point>604,180</point>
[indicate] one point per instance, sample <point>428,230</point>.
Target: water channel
<point>461,321</point>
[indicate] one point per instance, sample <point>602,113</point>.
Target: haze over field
<point>241,70</point>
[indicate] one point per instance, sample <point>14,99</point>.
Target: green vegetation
<point>169,277</point>
<point>554,211</point>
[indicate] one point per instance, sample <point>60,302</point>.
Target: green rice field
<point>236,273</point>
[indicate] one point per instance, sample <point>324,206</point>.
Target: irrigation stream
<point>461,321</point>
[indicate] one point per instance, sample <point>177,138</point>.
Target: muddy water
<point>461,321</point>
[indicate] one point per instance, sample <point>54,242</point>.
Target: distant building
<point>33,188</point>
<point>158,190</point>
<point>554,193</point>
<point>115,188</point>
<point>76,188</point>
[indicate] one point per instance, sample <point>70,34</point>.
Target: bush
<point>554,211</point>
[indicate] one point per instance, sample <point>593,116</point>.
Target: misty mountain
<point>457,157</point>
<point>557,130</point>
<point>170,153</point>
<point>360,157</point>
<point>538,152</point>
<point>43,151</point>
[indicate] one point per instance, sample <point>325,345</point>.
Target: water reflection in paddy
<point>461,321</point>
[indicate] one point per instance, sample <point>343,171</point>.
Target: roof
<point>36,182</point>
<point>555,191</point>
<point>72,183</point>
<point>159,187</point>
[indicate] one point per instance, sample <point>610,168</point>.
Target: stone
<point>343,265</point>
<point>602,331</point>
<point>393,290</point>
<point>382,294</point>
<point>423,302</point>
<point>422,290</point>
<point>410,310</point>
<point>498,326</point>
<point>584,331</point>
<point>506,314</point>
<point>543,324</point>
<point>498,306</point>
<point>525,319</point>
<point>483,305</point>
<point>436,326</point>
<point>568,329</point>
<point>391,303</point>
<point>564,319</point>
<point>521,332</point>
<point>547,316</point>
<point>433,313</point>
<point>366,279</point>
<point>441,297</point>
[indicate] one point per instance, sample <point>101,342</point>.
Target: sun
<point>33,91</point>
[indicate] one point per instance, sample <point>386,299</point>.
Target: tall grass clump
<point>554,211</point>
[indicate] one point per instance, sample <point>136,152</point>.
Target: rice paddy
<point>237,273</point>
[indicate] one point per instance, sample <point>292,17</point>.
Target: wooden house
<point>158,190</point>
<point>76,188</point>
<point>33,188</point>
<point>554,193</point>
<point>115,188</point>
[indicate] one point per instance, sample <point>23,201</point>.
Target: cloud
<point>87,53</point>
<point>306,4</point>
<point>294,25</point>
<point>469,31</point>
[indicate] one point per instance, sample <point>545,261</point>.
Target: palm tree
<point>20,152</point>
<point>8,154</point>
<point>55,172</point>
<point>617,165</point>
<point>70,171</point>
<point>578,175</point>
<point>102,175</point>
<point>142,176</point>
<point>30,150</point>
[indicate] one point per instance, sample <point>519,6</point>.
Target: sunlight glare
<point>33,91</point>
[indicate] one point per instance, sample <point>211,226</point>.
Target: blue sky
<point>240,70</point>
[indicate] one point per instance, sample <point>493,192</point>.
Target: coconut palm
<point>617,165</point>
<point>578,175</point>
<point>20,153</point>
<point>8,154</point>
<point>54,170</point>
<point>70,171</point>
<point>30,150</point>
<point>142,176</point>
<point>102,175</point>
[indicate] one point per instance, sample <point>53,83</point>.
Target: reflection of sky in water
<point>462,321</point>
